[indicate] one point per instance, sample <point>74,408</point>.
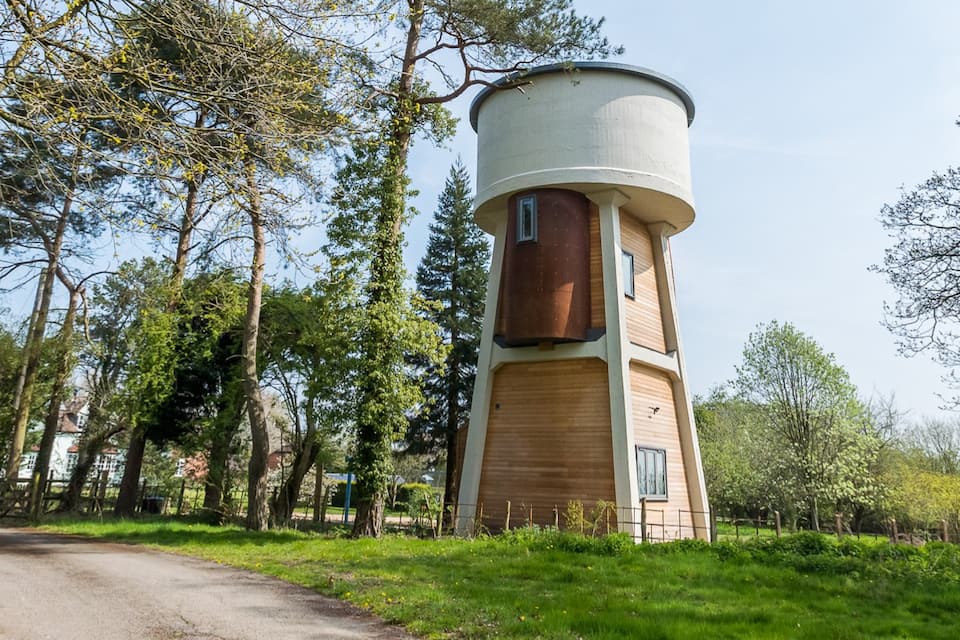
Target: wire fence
<point>645,522</point>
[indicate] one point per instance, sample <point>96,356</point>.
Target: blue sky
<point>810,116</point>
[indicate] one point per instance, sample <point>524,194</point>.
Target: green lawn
<point>559,586</point>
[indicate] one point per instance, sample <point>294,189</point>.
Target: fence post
<point>776,522</point>
<point>893,527</point>
<point>713,526</point>
<point>736,528</point>
<point>530,517</point>
<point>506,520</point>
<point>183,488</point>
<point>143,494</point>
<point>838,523</point>
<point>556,518</point>
<point>757,526</point>
<point>643,519</point>
<point>456,516</point>
<point>440,519</point>
<point>944,531</point>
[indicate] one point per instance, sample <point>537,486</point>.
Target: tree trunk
<point>290,490</point>
<point>133,465</point>
<point>126,505</point>
<point>227,423</point>
<point>814,515</point>
<point>33,347</point>
<point>385,290</point>
<point>256,412</point>
<point>317,492</point>
<point>52,422</point>
<point>90,446</point>
<point>450,488</point>
<point>217,460</point>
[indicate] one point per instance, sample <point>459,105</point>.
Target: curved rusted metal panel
<point>545,296</point>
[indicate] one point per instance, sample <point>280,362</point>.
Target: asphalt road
<point>67,588</point>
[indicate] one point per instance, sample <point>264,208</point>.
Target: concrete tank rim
<point>615,67</point>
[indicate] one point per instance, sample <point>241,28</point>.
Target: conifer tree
<point>452,275</point>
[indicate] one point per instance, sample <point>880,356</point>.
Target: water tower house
<point>581,394</point>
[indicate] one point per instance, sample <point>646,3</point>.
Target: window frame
<point>629,285</point>
<point>521,200</point>
<point>659,454</point>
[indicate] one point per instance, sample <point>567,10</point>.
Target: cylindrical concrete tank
<point>546,281</point>
<point>587,126</point>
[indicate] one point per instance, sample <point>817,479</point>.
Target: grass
<point>549,585</point>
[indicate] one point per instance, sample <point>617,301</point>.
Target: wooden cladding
<point>545,283</point>
<point>548,440</point>
<point>597,312</point>
<point>655,426</point>
<point>644,322</point>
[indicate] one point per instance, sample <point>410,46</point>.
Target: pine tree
<point>452,275</point>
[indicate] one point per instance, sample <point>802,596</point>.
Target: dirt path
<point>67,588</point>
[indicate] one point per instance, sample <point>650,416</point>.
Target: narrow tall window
<point>628,287</point>
<point>652,473</point>
<point>527,219</point>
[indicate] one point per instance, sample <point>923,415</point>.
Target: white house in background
<point>66,447</point>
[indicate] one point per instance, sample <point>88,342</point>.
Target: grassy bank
<point>555,586</point>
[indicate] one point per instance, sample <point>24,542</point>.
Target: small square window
<point>652,473</point>
<point>527,219</point>
<point>628,286</point>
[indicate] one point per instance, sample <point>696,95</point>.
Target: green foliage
<point>816,437</point>
<point>453,277</point>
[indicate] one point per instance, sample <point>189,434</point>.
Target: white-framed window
<point>527,219</point>
<point>652,473</point>
<point>27,463</point>
<point>71,461</point>
<point>627,266</point>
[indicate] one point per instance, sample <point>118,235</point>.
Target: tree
<point>453,276</point>
<point>923,266</point>
<point>736,456</point>
<point>823,442</point>
<point>485,39</point>
<point>309,354</point>
<point>122,329</point>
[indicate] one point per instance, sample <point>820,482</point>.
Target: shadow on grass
<point>485,587</point>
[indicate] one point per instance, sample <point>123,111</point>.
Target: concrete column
<point>618,359</point>
<point>482,390</point>
<point>689,443</point>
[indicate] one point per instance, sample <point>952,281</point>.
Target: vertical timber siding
<point>548,440</point>
<point>597,316</point>
<point>658,429</point>
<point>644,324</point>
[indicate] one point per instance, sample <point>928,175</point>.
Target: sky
<point>809,118</point>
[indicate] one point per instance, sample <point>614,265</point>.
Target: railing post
<point>643,519</point>
<point>506,520</point>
